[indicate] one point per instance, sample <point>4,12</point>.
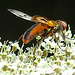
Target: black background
<point>11,26</point>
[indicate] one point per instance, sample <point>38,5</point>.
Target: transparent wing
<point>20,14</point>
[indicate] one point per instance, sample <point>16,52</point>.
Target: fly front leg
<point>63,36</point>
<point>53,32</point>
<point>56,40</point>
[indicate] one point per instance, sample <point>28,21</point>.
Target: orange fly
<point>42,27</point>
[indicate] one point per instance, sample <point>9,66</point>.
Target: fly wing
<point>20,14</point>
<point>35,30</point>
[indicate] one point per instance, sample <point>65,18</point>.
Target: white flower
<point>68,33</point>
<point>35,73</point>
<point>43,44</point>
<point>16,45</point>
<point>68,72</point>
<point>0,44</point>
<point>53,44</point>
<point>1,64</point>
<point>55,66</point>
<point>49,70</point>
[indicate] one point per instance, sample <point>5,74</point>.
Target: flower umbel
<point>51,60</point>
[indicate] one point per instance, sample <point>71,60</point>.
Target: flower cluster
<point>48,60</point>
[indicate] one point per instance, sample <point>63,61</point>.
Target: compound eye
<point>64,25</point>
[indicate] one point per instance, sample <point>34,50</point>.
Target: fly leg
<point>43,35</point>
<point>56,40</point>
<point>37,44</point>
<point>20,37</point>
<point>63,36</point>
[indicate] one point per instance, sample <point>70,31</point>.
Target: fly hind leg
<point>38,44</point>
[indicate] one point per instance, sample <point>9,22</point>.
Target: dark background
<point>11,26</point>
